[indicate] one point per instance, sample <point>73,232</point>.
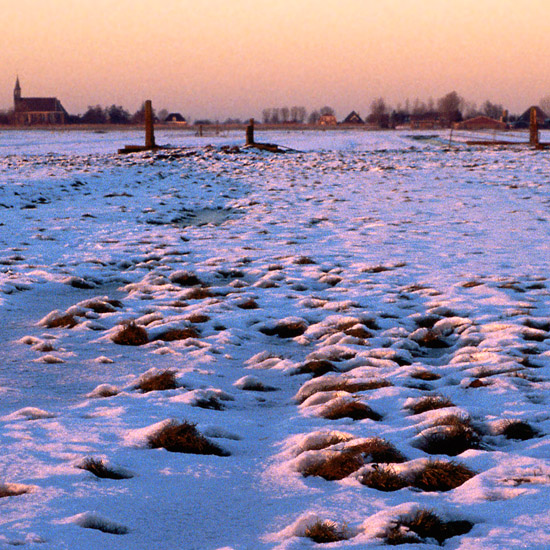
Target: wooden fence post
<point>250,132</point>
<point>149,126</point>
<point>533,128</point>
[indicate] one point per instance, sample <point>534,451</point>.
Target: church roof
<point>39,104</point>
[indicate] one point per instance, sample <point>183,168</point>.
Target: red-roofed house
<point>481,123</point>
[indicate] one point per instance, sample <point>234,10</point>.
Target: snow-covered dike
<point>213,348</point>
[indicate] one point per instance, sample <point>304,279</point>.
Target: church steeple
<point>17,90</point>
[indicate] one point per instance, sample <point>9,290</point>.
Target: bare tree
<point>285,114</point>
<point>545,104</point>
<point>449,107</point>
<point>275,118</point>
<point>326,111</point>
<point>314,117</point>
<point>379,113</point>
<point>163,114</point>
<point>266,116</point>
<point>492,110</point>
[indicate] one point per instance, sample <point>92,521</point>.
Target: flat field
<point>350,343</point>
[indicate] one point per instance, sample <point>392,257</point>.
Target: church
<point>37,110</point>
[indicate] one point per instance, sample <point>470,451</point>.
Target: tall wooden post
<point>250,132</point>
<point>533,128</point>
<point>149,128</point>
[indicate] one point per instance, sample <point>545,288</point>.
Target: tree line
<point>448,109</point>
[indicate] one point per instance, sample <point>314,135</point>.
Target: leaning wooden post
<point>149,128</point>
<point>533,128</point>
<point>250,132</point>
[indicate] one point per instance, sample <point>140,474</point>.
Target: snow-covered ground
<point>404,268</point>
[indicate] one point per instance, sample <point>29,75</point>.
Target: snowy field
<point>358,331</point>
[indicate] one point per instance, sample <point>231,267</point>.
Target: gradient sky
<point>220,58</point>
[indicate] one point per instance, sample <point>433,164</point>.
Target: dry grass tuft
<point>165,380</point>
<point>99,469</point>
<point>250,303</point>
<point>383,479</point>
<point>426,375</point>
<point>430,403</point>
<point>211,402</point>
<point>66,320</point>
<point>316,368</point>
<point>456,436</point>
<point>324,532</point>
<point>286,329</point>
<point>518,429</point>
<point>184,438</point>
<point>185,278</point>
<point>378,450</point>
<point>8,490</point>
<point>422,526</point>
<point>441,476</point>
<point>131,335</point>
<point>104,526</point>
<point>351,409</point>
<point>175,334</point>
<point>432,340</point>
<point>303,260</point>
<point>198,293</point>
<point>197,318</point>
<point>337,466</point>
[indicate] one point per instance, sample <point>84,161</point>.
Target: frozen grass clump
<point>422,526</point>
<point>131,335</point>
<point>376,449</point>
<point>13,490</point>
<point>286,328</point>
<point>323,532</point>
<point>337,383</point>
<point>104,390</point>
<point>57,319</point>
<point>424,374</point>
<point>429,403</point>
<point>252,383</point>
<point>184,438</point>
<point>93,521</point>
<point>451,435</point>
<point>316,368</point>
<point>336,466</point>
<point>157,381</point>
<point>518,429</point>
<point>383,478</point>
<point>439,475</point>
<point>185,278</point>
<point>100,469</point>
<point>175,334</point>
<point>356,410</point>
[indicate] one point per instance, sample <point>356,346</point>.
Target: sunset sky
<point>221,58</point>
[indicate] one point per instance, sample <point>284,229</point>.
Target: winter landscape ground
<point>350,343</point>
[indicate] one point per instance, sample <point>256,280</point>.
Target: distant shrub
<point>184,438</point>
<point>324,532</point>
<point>99,469</point>
<point>441,476</point>
<point>131,335</point>
<point>424,525</point>
<point>383,478</point>
<point>351,409</point>
<point>430,403</point>
<point>165,380</point>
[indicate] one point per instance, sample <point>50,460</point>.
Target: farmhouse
<point>353,118</point>
<point>37,110</point>
<point>175,118</point>
<point>328,120</point>
<point>481,123</point>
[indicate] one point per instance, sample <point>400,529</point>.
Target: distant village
<point>449,111</point>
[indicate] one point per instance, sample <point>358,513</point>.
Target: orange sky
<point>220,58</point>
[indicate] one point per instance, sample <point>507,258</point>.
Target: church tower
<point>17,92</point>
